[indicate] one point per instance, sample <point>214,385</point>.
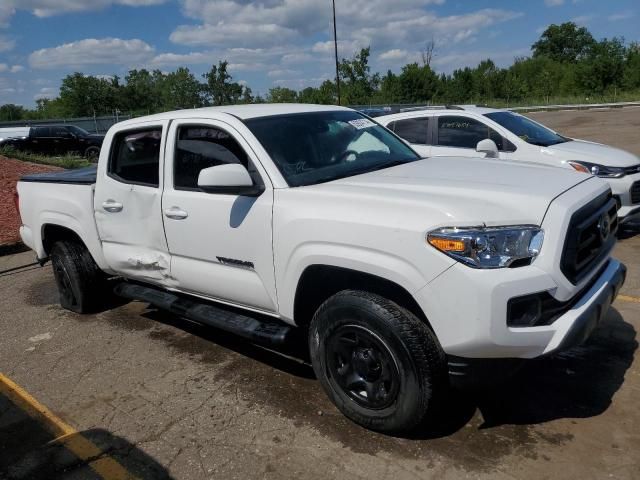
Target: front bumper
<point>621,189</point>
<point>471,309</point>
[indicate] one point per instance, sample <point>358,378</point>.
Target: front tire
<point>379,364</point>
<point>82,286</point>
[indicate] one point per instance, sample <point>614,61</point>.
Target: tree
<point>82,95</point>
<point>323,95</point>
<point>12,112</point>
<point>358,85</point>
<point>604,66</point>
<point>417,84</point>
<point>428,52</point>
<point>282,95</point>
<point>181,89</point>
<point>564,43</point>
<point>631,75</point>
<point>221,90</point>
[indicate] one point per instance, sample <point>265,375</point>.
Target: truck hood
<point>461,191</point>
<point>593,153</point>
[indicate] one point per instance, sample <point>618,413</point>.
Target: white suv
<point>458,131</point>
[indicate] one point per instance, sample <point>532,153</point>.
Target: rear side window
<point>413,130</point>
<point>464,132</point>
<point>41,132</point>
<point>200,147</point>
<point>135,157</point>
<point>59,132</point>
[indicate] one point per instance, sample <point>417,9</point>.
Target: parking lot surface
<point>156,396</point>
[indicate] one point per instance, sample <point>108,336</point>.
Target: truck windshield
<point>311,148</point>
<point>527,130</point>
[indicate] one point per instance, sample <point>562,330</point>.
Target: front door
<point>220,244</point>
<point>458,136</point>
<point>127,204</point>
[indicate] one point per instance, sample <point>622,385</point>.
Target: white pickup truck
<point>404,273</point>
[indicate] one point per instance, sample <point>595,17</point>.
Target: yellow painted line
<point>627,298</point>
<point>65,434</point>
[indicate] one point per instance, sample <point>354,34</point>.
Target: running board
<point>263,331</point>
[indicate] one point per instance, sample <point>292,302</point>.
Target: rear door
<point>458,136</point>
<point>416,132</point>
<point>40,140</point>
<point>127,203</point>
<point>62,140</point>
<point>220,244</point>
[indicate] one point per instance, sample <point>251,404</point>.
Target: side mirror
<point>230,179</point>
<point>489,147</point>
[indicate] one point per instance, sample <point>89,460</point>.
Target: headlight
<point>489,247</point>
<point>599,170</point>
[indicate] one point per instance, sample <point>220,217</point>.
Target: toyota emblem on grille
<point>604,227</point>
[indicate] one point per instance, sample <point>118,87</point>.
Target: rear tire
<point>81,284</point>
<point>379,364</point>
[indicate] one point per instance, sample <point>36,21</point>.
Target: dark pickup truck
<point>58,140</point>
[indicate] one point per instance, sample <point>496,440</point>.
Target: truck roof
<point>243,112</point>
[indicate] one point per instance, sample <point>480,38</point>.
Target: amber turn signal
<point>446,244</point>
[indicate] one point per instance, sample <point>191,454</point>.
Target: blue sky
<point>272,42</point>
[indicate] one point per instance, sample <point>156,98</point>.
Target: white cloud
<point>554,3</point>
<point>179,59</point>
<point>92,51</point>
<point>47,8</point>
<point>616,17</point>
<point>3,67</point>
<point>395,55</point>
<point>16,69</point>
<point>382,24</point>
<point>46,92</point>
<point>582,19</point>
<point>282,73</point>
<point>454,60</point>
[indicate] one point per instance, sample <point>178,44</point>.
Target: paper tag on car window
<point>361,123</point>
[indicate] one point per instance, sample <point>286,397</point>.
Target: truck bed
<point>82,176</point>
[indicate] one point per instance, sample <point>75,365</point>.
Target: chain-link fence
<point>90,124</point>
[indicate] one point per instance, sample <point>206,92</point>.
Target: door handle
<point>112,206</point>
<point>176,213</point>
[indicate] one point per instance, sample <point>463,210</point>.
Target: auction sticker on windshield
<point>362,123</point>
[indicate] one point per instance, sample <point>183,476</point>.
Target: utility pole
<point>335,45</point>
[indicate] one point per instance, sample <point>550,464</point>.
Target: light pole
<point>335,46</point>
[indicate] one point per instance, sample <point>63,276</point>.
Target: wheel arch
<point>318,282</point>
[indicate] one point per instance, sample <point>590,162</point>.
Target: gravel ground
<point>10,171</point>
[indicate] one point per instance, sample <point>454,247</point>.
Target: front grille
<point>635,192</point>
<point>590,237</point>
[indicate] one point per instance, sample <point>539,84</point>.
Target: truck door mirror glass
<point>231,179</point>
<point>488,147</point>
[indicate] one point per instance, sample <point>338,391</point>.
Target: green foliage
<point>564,43</point>
<point>220,90</point>
<point>358,85</point>
<point>282,95</point>
<point>66,161</point>
<point>567,66</point>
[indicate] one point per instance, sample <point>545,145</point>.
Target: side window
<point>135,156</point>
<point>59,132</point>
<point>41,132</point>
<point>199,147</point>
<point>464,132</point>
<point>413,130</point>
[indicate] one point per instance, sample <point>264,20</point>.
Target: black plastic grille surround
<point>635,193</point>
<point>590,237</point>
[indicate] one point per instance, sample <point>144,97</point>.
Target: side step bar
<point>263,331</point>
